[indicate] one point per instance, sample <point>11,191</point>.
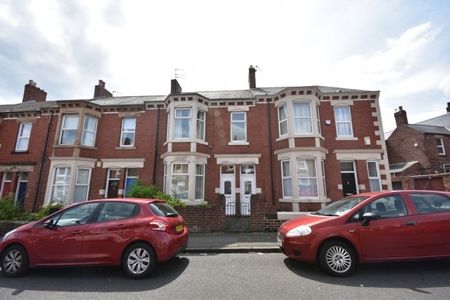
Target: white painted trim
<point>237,159</point>
<point>341,102</point>
<point>122,163</point>
<point>358,154</point>
<point>238,108</point>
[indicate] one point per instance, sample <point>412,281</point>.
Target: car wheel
<point>139,261</point>
<point>337,258</point>
<point>14,261</point>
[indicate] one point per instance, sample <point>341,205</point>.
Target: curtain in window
<point>307,181</point>
<point>89,131</point>
<point>182,123</point>
<point>302,118</point>
<point>343,121</point>
<point>287,180</point>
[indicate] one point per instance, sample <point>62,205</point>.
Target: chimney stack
<point>175,87</point>
<point>100,91</point>
<point>252,77</point>
<point>32,92</point>
<point>448,106</point>
<point>400,117</point>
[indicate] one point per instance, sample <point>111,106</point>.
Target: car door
<point>61,242</point>
<point>393,235</point>
<point>433,222</point>
<point>110,233</point>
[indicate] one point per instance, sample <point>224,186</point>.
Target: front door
<point>248,187</point>
<point>227,188</point>
<point>113,183</point>
<point>348,177</point>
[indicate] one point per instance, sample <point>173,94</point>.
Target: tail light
<point>158,225</point>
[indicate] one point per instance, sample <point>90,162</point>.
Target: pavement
<point>265,242</point>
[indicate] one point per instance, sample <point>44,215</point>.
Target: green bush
<point>140,190</point>
<point>46,210</point>
<point>9,211</point>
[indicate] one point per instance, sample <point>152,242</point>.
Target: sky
<point>400,48</point>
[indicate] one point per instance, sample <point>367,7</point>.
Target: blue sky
<point>401,48</point>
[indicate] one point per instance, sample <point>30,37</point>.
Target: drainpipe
<point>44,155</point>
<point>269,116</point>
<point>155,156</point>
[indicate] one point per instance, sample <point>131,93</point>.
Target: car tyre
<point>14,261</point>
<point>337,258</point>
<point>139,261</point>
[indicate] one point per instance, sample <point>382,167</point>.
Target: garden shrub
<point>140,190</point>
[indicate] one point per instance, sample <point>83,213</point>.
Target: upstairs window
<point>201,115</point>
<point>183,117</point>
<point>23,137</point>
<point>89,131</point>
<point>128,132</point>
<point>238,127</point>
<point>69,128</point>
<point>282,120</point>
<point>302,118</point>
<point>343,118</point>
<point>440,146</point>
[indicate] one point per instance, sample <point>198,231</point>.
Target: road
<point>235,276</point>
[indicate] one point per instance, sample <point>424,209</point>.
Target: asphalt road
<point>235,276</point>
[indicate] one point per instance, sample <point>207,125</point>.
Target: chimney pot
<point>175,87</point>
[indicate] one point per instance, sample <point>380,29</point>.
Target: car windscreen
<point>163,209</point>
<point>340,207</point>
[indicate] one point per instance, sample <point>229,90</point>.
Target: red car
<point>133,233</point>
<point>370,227</point>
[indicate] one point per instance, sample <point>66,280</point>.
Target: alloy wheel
<point>13,261</point>
<point>138,261</point>
<point>338,259</point>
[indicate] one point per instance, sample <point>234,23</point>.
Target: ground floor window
<point>81,185</point>
<point>185,180</point>
<point>374,176</point>
<point>60,187</point>
<point>306,176</point>
<point>180,181</point>
<point>199,181</point>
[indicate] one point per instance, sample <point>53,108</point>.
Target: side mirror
<point>50,224</point>
<point>369,216</point>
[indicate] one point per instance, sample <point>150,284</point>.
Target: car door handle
<point>120,225</point>
<point>77,232</point>
<point>411,223</point>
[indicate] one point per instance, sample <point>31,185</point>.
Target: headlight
<point>301,230</point>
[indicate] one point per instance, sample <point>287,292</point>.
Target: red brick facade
<point>160,140</point>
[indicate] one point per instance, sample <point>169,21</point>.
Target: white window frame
<point>285,177</point>
<point>201,123</point>
<point>108,177</point>
<point>65,185</point>
<point>354,172</point>
<point>5,180</point>
<point>87,185</point>
<point>124,131</point>
<point>440,146</point>
<point>294,118</point>
<point>239,121</point>
<point>23,137</point>
<point>284,121</point>
<point>378,177</point>
<point>200,177</point>
<point>64,129</point>
<point>310,179</point>
<point>176,118</point>
<point>319,128</point>
<point>86,131</point>
<point>128,176</point>
<point>337,123</point>
<point>179,175</point>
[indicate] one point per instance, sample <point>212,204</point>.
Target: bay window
<point>81,185</point>
<point>282,120</point>
<point>89,131</point>
<point>307,178</point>
<point>61,183</point>
<point>199,181</point>
<point>286,179</point>
<point>183,117</point>
<point>201,125</point>
<point>69,127</point>
<point>180,181</point>
<point>302,118</point>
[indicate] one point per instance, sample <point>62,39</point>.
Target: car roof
<point>388,192</point>
<point>133,200</point>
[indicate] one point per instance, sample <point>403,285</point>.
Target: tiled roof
<point>443,120</point>
<point>131,100</point>
<point>28,106</point>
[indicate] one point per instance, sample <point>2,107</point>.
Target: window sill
<point>285,137</point>
<point>126,148</point>
<point>349,138</point>
<point>20,152</point>
<point>187,141</point>
<point>238,143</point>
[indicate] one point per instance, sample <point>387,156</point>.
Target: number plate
<point>179,228</point>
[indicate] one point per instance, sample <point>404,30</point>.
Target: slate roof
<point>140,100</point>
<point>429,129</point>
<point>443,120</point>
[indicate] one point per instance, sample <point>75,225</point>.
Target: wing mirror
<point>50,224</point>
<point>369,216</point>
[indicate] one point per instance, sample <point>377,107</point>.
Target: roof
<point>401,167</point>
<point>140,100</point>
<point>429,129</point>
<point>443,120</point>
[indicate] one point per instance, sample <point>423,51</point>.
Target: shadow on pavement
<point>416,276</point>
<point>94,279</point>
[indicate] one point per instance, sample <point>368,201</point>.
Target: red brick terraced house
<point>419,153</point>
<point>240,159</point>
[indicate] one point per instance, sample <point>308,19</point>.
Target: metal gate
<point>235,221</point>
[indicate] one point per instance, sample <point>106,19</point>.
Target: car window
<point>163,209</point>
<point>430,203</point>
<point>78,215</point>
<point>387,207</point>
<point>113,211</point>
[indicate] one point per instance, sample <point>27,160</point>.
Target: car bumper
<point>298,248</point>
<point>174,244</point>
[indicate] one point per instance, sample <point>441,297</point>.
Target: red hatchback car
<point>133,233</point>
<point>370,227</point>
